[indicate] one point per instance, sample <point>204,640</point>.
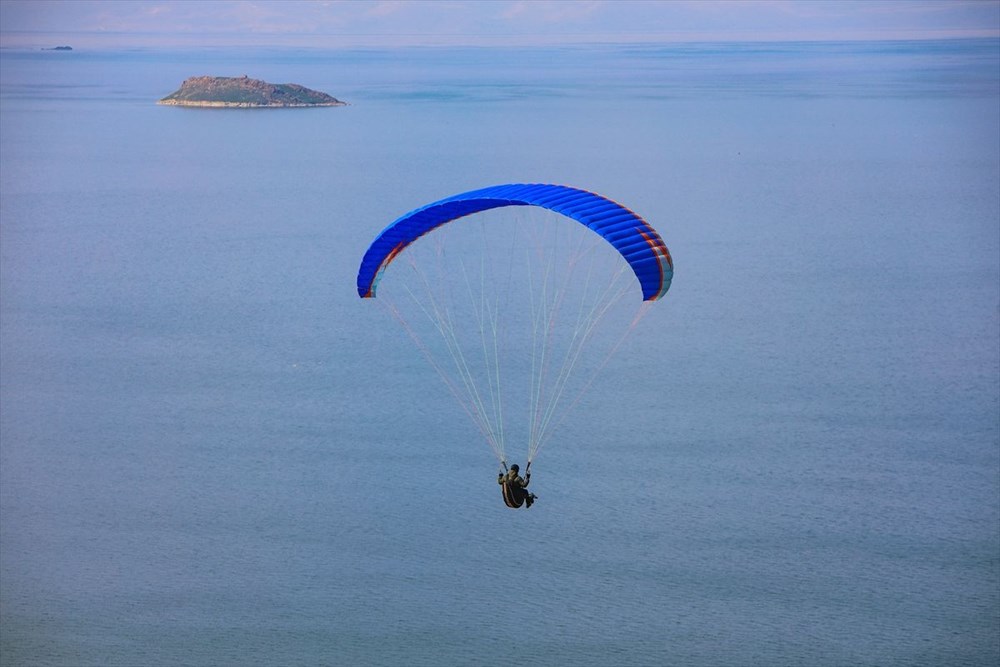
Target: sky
<point>339,23</point>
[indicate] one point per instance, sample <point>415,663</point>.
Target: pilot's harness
<point>514,497</point>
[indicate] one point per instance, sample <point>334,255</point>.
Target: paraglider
<point>499,344</point>
<point>633,237</point>
<point>515,487</point>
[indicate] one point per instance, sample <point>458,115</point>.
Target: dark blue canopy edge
<point>633,237</point>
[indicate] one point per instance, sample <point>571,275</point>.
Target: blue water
<point>213,453</point>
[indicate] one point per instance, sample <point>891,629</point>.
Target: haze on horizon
<point>347,23</point>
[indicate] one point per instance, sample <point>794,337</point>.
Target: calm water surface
<point>214,453</point>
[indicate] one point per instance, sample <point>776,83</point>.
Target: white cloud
<point>346,22</point>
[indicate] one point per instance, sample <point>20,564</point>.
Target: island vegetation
<point>244,92</point>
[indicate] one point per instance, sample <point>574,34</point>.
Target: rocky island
<point>244,92</point>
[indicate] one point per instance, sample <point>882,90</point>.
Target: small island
<point>244,92</point>
<point>59,48</point>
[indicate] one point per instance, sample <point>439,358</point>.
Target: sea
<point>213,452</point>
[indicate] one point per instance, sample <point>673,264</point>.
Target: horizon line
<point>14,39</point>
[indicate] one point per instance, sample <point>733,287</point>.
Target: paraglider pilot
<point>515,491</point>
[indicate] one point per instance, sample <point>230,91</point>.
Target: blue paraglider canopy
<point>639,244</point>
